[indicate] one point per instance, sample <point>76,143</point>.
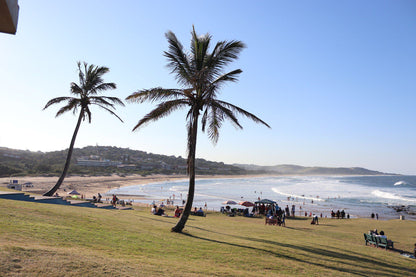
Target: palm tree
<point>199,72</point>
<point>90,84</point>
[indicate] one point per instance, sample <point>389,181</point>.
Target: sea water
<point>358,196</point>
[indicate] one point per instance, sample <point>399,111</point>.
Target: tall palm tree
<point>200,74</point>
<point>90,84</point>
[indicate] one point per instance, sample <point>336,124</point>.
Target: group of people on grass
<point>177,213</point>
<point>197,212</point>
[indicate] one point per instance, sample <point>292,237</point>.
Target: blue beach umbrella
<point>229,202</point>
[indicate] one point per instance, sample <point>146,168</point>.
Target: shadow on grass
<point>299,218</point>
<point>362,265</point>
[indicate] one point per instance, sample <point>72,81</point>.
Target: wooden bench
<point>270,221</point>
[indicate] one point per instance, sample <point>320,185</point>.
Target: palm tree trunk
<point>191,171</point>
<point>68,159</point>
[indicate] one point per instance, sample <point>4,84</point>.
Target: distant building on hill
<point>96,161</point>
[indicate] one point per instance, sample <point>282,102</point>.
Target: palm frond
<point>227,77</point>
<point>110,111</point>
<point>73,104</point>
<point>103,87</point>
<point>177,60</point>
<point>217,83</point>
<point>106,100</point>
<point>81,73</point>
<point>101,70</point>
<point>162,110</point>
<point>76,89</point>
<point>214,118</point>
<point>224,52</point>
<point>97,100</point>
<point>156,94</point>
<point>56,101</point>
<point>225,112</point>
<point>238,110</point>
<point>199,49</point>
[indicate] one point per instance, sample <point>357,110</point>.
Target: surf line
<point>297,196</point>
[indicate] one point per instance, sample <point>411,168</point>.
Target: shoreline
<point>90,186</point>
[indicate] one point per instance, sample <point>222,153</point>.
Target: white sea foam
<point>358,195</point>
<point>296,196</point>
<point>389,195</point>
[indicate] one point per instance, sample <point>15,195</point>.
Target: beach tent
<point>266,202</point>
<point>74,192</point>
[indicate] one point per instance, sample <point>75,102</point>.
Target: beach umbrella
<point>246,204</point>
<point>229,202</point>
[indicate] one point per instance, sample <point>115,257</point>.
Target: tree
<point>200,73</point>
<point>90,85</point>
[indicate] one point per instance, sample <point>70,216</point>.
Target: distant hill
<point>103,160</point>
<point>287,169</point>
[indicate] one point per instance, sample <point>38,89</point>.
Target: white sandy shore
<point>92,185</point>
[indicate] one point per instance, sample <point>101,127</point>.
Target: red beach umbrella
<point>246,204</point>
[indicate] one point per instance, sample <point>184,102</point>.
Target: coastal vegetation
<point>90,85</point>
<point>54,240</point>
<point>200,73</point>
<point>122,161</point>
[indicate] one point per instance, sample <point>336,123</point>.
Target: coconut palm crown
<point>90,85</point>
<point>200,73</point>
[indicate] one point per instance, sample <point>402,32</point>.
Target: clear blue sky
<point>335,79</point>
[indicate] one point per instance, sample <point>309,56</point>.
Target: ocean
<point>358,196</point>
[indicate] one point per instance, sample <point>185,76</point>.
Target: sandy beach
<point>89,186</point>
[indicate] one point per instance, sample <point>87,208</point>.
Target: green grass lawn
<point>53,240</point>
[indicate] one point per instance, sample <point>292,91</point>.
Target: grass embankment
<point>53,240</point>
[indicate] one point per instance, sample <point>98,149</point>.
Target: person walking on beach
<point>293,210</point>
<point>114,200</point>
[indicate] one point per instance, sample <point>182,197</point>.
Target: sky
<point>336,80</point>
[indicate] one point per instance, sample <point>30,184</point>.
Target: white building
<point>86,162</point>
<point>14,184</point>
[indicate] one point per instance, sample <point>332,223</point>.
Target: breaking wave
<point>401,183</point>
<point>296,196</point>
<point>389,195</point>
